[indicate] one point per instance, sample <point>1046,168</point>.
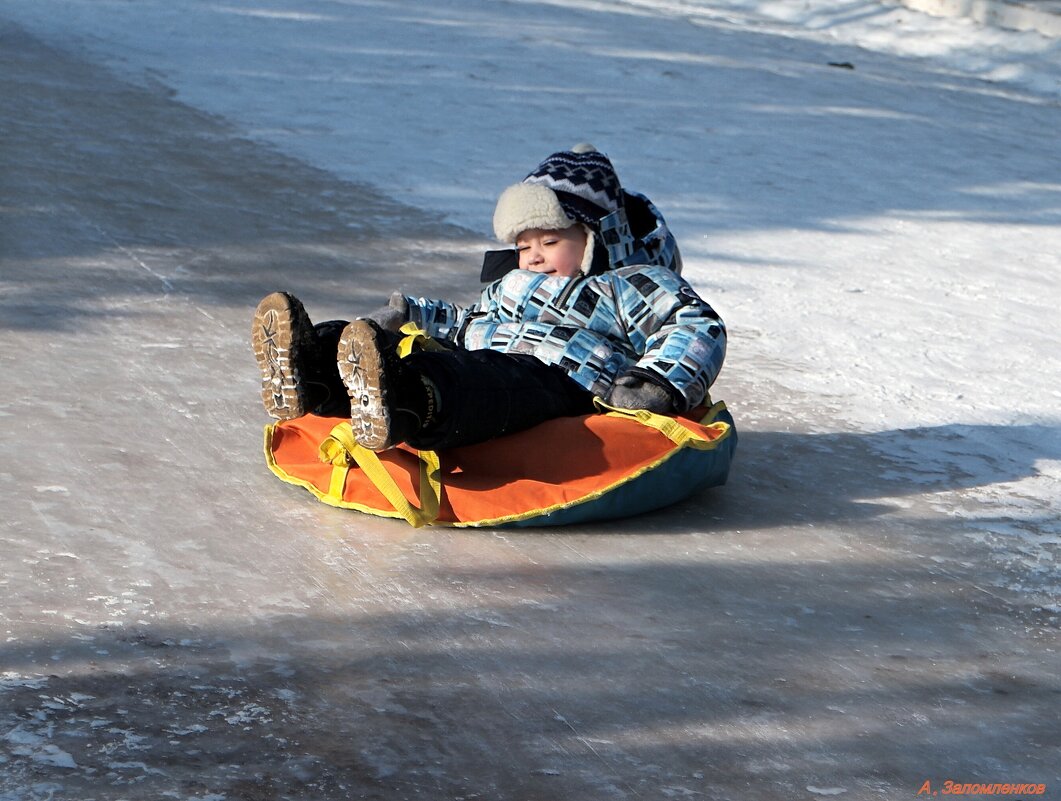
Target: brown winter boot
<point>286,349</point>
<point>389,401</point>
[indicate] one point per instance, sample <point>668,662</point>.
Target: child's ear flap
<point>595,258</point>
<point>497,263</point>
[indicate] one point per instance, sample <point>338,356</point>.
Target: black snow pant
<point>483,393</point>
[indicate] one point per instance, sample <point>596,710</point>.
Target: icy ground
<point>869,196</point>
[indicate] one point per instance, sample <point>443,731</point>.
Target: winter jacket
<point>637,316</point>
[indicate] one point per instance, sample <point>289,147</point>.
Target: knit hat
<point>572,186</point>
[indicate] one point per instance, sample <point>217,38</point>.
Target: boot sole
<point>277,333</point>
<point>362,368</point>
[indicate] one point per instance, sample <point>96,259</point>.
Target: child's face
<point>555,252</point>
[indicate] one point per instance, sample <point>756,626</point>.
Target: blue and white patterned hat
<point>572,186</point>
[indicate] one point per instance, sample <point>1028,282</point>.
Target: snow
<point>870,196</point>
<point>888,257</point>
<point>885,257</point>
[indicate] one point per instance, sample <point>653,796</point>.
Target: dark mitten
<point>392,316</point>
<point>634,392</point>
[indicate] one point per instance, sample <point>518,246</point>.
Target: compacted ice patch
<point>27,744</point>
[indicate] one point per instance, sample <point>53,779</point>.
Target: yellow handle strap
<point>668,426</point>
<point>414,337</point>
<point>340,448</point>
<point>336,450</point>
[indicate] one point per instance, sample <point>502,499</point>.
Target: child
<point>589,302</point>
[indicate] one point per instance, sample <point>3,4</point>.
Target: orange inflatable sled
<point>568,470</point>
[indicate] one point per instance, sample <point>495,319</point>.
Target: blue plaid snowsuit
<point>640,317</point>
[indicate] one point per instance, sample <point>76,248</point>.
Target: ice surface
<point>869,196</point>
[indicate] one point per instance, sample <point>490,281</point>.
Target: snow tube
<point>568,470</point>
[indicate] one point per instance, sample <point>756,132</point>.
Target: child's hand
<point>392,316</point>
<point>634,392</point>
